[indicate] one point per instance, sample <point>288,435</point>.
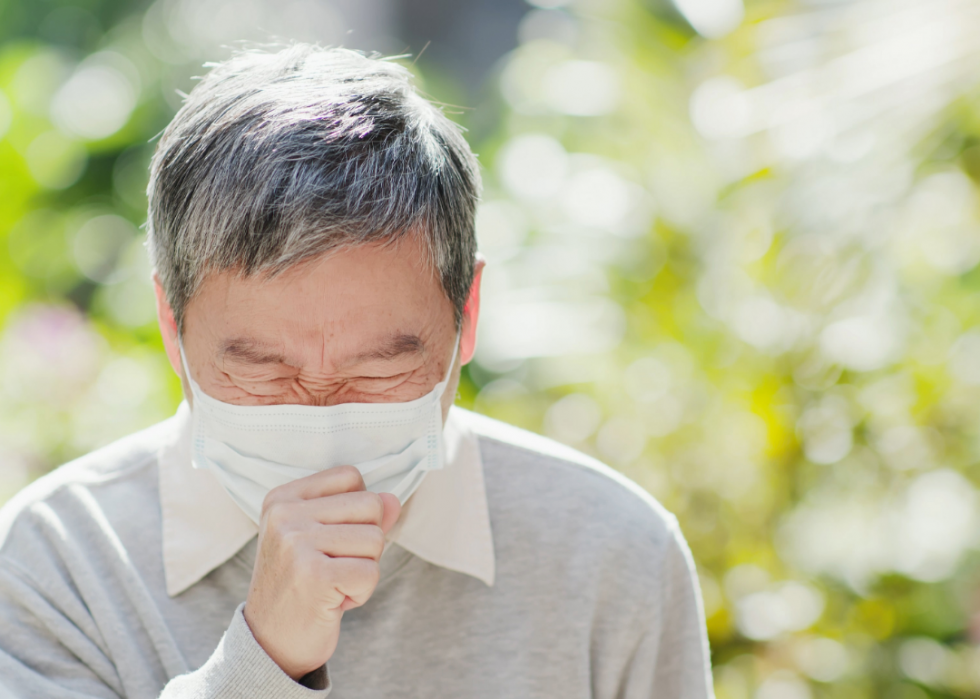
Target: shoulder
<point>543,483</point>
<point>114,476</point>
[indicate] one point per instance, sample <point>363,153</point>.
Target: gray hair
<point>276,158</point>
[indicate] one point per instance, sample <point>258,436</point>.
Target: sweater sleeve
<point>671,657</point>
<point>52,648</point>
<point>240,669</point>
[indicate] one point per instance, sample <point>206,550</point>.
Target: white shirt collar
<point>446,522</point>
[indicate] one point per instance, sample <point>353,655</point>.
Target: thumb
<point>393,510</point>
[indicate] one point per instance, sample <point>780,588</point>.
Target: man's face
<point>369,324</point>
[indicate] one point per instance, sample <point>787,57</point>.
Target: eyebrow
<point>394,346</point>
<point>250,351</point>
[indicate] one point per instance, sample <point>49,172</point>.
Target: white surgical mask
<point>253,449</point>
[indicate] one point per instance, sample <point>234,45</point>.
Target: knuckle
<point>270,500</point>
<point>373,504</point>
<point>291,541</point>
<point>377,537</point>
<point>370,502</point>
<point>276,514</point>
<point>351,476</point>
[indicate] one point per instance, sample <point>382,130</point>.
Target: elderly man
<point>317,518</point>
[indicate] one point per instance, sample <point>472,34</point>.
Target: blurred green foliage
<point>741,269</point>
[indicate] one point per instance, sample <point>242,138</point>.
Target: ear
<point>168,327</point>
<point>471,314</point>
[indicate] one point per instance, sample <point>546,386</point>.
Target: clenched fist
<point>320,539</point>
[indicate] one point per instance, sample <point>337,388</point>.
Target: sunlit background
<point>732,252</point>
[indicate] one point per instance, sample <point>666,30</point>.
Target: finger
<point>355,578</point>
<point>361,507</point>
<point>392,511</point>
<point>348,540</point>
<point>332,481</point>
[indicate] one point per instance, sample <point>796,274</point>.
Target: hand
<point>320,539</point>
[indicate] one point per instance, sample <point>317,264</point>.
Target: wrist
<point>299,671</point>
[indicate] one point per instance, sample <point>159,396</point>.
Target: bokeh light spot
<point>533,166</point>
<point>98,245</point>
<point>98,98</point>
<point>582,88</point>
<point>712,19</point>
<point>56,161</point>
<point>573,418</point>
<point>821,659</point>
<point>719,108</point>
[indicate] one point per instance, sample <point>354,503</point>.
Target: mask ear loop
<point>452,361</point>
<point>187,370</point>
